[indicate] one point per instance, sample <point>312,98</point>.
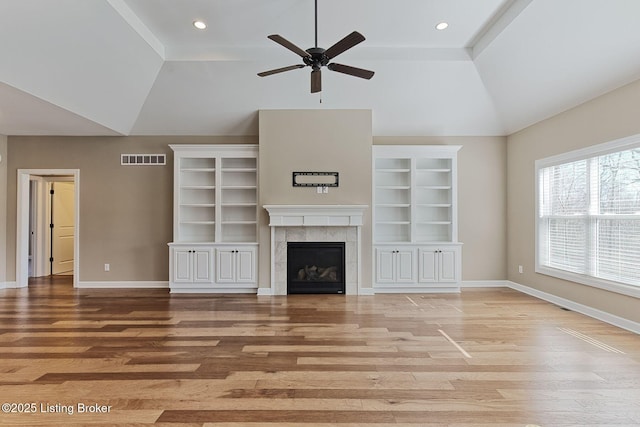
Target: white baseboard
<point>484,284</point>
<point>366,291</point>
<point>265,292</point>
<point>8,285</point>
<point>139,284</point>
<point>416,290</point>
<point>213,291</point>
<point>612,319</point>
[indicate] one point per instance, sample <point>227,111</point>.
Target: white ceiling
<point>138,67</point>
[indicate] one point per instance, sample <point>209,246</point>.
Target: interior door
<point>63,220</point>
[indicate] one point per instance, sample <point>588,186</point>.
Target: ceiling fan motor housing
<point>317,59</point>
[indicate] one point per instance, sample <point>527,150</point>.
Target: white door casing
<point>22,221</point>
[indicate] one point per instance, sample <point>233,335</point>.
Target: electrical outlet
<point>107,267</point>
<point>520,269</point>
<point>325,190</point>
<point>319,190</point>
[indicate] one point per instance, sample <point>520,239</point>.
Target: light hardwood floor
<point>491,357</point>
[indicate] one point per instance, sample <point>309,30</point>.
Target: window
<point>588,216</point>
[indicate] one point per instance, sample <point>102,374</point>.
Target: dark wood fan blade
<point>281,70</point>
<point>316,81</point>
<point>352,71</point>
<point>346,43</point>
<point>286,43</point>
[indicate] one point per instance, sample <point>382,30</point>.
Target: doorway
<point>45,197</point>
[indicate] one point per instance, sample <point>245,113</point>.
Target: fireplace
<point>315,267</point>
<point>315,223</point>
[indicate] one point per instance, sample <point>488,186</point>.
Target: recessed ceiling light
<point>199,25</point>
<point>442,26</point>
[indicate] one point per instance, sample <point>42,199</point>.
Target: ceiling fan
<point>317,57</point>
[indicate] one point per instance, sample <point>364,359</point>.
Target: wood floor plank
<point>311,360</point>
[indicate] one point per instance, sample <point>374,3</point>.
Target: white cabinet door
<point>236,265</point>
<point>191,265</point>
<point>246,265</point>
<point>385,266</point>
<point>448,265</point>
<point>225,266</point>
<point>405,271</point>
<point>439,264</point>
<point>428,265</point>
<point>395,265</point>
<point>181,265</point>
<point>202,265</point>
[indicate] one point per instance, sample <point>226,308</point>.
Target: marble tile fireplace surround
<point>316,223</point>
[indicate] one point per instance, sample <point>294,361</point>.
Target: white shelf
<point>239,169</point>
<point>198,222</point>
<point>215,193</point>
<point>240,222</point>
<point>434,187</point>
<point>414,194</point>
<point>433,170</point>
<point>394,205</point>
<point>198,170</point>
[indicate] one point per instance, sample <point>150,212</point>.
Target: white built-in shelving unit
<point>214,246</point>
<point>415,218</point>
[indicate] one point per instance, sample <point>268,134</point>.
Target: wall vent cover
<point>143,159</point>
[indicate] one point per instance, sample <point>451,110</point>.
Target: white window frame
<point>572,156</point>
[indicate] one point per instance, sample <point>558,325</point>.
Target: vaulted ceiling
<point>139,67</point>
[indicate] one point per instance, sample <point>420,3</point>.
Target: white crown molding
<point>505,16</point>
<point>138,26</point>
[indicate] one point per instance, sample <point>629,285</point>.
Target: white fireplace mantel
<point>315,215</point>
<point>315,223</point>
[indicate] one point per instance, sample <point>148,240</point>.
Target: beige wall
<point>126,212</point>
<point>482,212</point>
<point>3,209</point>
<point>609,117</point>
<point>311,141</point>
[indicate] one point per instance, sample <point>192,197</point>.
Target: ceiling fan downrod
<point>316,21</point>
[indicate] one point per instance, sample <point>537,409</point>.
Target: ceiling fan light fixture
<point>200,25</point>
<point>442,26</point>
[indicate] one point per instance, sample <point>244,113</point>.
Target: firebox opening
<point>315,268</point>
